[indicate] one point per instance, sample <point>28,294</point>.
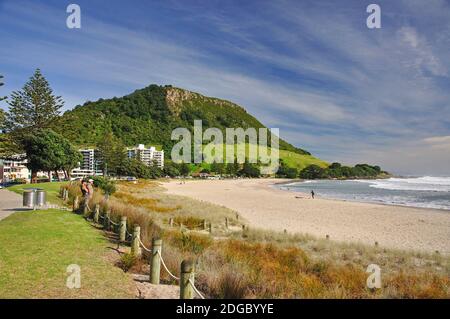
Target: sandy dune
<point>269,208</point>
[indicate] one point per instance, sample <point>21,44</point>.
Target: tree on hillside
<point>112,153</point>
<point>218,168</point>
<point>312,172</point>
<point>250,170</point>
<point>50,152</point>
<point>171,169</point>
<point>32,108</point>
<point>184,169</point>
<point>286,171</point>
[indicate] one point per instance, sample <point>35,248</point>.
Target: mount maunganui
<point>150,114</point>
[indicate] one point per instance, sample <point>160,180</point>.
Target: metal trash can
<point>34,197</point>
<point>29,197</point>
<point>40,197</point>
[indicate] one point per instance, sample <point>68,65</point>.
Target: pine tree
<point>111,152</point>
<point>1,84</point>
<point>32,108</point>
<point>2,113</point>
<point>7,147</point>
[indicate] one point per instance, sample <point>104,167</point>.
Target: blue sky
<point>311,68</point>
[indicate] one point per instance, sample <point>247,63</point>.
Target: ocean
<point>424,192</point>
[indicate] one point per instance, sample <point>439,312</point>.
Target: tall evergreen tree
<point>2,113</point>
<point>111,152</point>
<point>1,84</point>
<point>34,107</point>
<point>7,147</point>
<point>2,119</point>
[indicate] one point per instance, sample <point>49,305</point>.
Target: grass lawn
<point>37,246</point>
<point>51,188</point>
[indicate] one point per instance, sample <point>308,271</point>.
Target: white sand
<point>269,208</point>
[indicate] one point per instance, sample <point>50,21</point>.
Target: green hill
<point>148,116</point>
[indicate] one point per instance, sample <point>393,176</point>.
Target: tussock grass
<point>148,203</point>
<point>189,221</point>
<point>180,208</point>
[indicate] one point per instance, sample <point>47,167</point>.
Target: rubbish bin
<point>40,197</point>
<point>34,197</point>
<point>29,198</point>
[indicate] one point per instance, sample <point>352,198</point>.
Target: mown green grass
<point>52,190</point>
<point>37,246</point>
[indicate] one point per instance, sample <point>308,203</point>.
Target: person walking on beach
<point>312,194</point>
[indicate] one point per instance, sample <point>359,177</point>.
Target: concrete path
<point>9,203</point>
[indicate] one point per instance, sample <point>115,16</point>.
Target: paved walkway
<point>9,203</point>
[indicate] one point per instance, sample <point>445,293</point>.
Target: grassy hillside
<point>149,115</point>
<point>291,159</point>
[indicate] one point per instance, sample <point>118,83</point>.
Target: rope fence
<point>186,280</point>
<point>143,246</point>
<point>195,289</point>
<point>165,267</point>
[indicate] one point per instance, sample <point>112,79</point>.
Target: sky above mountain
<point>310,68</point>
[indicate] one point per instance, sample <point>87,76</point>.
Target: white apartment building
<point>89,165</point>
<point>148,156</point>
<point>14,168</point>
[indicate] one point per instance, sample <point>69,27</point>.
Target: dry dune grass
<point>148,203</point>
<point>180,208</point>
<point>264,264</point>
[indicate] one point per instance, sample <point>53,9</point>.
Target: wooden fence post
<point>156,261</point>
<point>210,227</point>
<point>65,195</point>
<point>171,222</point>
<point>123,228</point>
<point>108,220</point>
<point>96,213</point>
<point>75,204</point>
<point>204,224</point>
<point>226,222</point>
<point>187,273</point>
<point>135,250</point>
<point>237,216</point>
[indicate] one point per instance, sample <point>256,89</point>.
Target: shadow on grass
<point>18,210</point>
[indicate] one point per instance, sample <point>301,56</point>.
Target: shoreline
<point>353,201</point>
<point>270,208</point>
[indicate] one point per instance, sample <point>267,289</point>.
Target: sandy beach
<point>266,207</point>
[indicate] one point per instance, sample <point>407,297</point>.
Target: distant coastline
<point>418,192</point>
